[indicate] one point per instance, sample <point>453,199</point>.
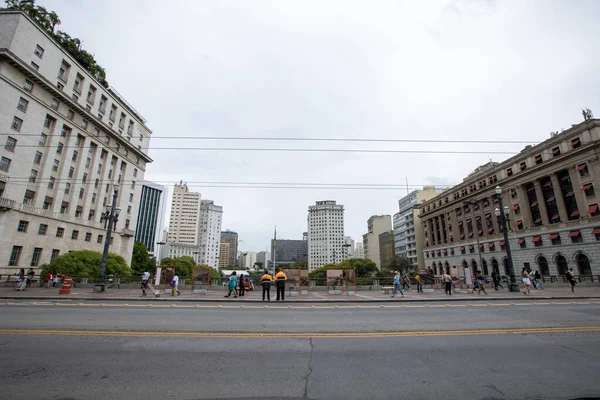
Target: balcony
<point>6,204</point>
<point>127,232</point>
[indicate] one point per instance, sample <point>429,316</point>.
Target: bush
<point>87,263</point>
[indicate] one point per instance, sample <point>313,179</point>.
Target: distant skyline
<point>461,70</point>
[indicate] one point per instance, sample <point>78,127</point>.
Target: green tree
<point>87,263</point>
<point>364,266</point>
<point>231,268</point>
<point>140,260</point>
<point>183,265</point>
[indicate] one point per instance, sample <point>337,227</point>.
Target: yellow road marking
<point>340,335</point>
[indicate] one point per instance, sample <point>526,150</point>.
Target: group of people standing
<point>237,286</point>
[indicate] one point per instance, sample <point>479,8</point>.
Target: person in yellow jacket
<point>280,279</point>
<point>266,281</point>
<point>419,285</point>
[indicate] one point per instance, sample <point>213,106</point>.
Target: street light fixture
<point>502,220</point>
<point>111,216</point>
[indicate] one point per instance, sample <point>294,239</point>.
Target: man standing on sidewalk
<point>266,281</point>
<point>145,279</point>
<point>48,280</point>
<point>280,279</point>
<point>419,286</point>
<point>447,281</point>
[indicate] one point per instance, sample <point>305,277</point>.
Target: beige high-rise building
<point>184,223</point>
<point>68,144</point>
<point>224,249</point>
<point>377,225</point>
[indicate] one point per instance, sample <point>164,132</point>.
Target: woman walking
<point>481,282</point>
<point>397,287</point>
<point>232,285</point>
<point>405,282</point>
<point>527,282</point>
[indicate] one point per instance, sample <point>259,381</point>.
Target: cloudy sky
<point>439,70</point>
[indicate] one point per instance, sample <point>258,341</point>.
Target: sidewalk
<point>216,294</point>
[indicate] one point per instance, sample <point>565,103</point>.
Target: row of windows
<point>23,226</point>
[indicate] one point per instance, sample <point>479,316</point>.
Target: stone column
<point>560,201</point>
<point>579,195</point>
<point>525,209</point>
<point>454,221</point>
<point>541,203</point>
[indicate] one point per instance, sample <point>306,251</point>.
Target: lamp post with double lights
<point>502,213</point>
<point>158,251</point>
<point>111,217</point>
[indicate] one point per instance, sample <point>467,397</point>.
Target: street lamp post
<point>502,215</point>
<point>158,251</point>
<point>111,216</point>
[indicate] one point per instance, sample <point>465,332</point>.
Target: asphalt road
<point>186,353</point>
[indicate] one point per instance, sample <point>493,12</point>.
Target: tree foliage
<point>140,260</point>
<point>232,268</point>
<point>87,263</point>
<point>183,265</point>
<point>48,21</point>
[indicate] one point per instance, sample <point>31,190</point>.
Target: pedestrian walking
<point>266,281</point>
<point>447,281</point>
<point>527,282</point>
<point>419,286</point>
<point>495,278</point>
<point>397,287</point>
<point>480,282</point>
<point>242,285</point>
<point>571,278</point>
<point>48,280</point>
<point>405,282</point>
<point>538,280</point>
<point>30,276</point>
<point>280,279</point>
<point>231,285</point>
<point>175,285</point>
<point>55,280</point>
<point>145,279</point>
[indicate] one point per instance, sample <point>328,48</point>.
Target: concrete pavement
<point>552,291</point>
<point>558,358</point>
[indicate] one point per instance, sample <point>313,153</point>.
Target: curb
<point>307,301</point>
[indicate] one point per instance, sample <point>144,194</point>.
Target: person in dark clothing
<point>280,279</point>
<point>266,281</point>
<point>242,286</point>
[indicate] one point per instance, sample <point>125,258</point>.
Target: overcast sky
<point>509,70</point>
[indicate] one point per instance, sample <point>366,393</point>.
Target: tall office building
<point>151,215</point>
<point>289,251</point>
<point>359,250</point>
<point>264,258</point>
<point>209,237</point>
<point>230,237</point>
<point>408,233</point>
<point>224,249</point>
<point>325,234</point>
<point>376,225</point>
<point>349,246</point>
<point>386,248</point>
<point>184,223</point>
<point>68,143</point>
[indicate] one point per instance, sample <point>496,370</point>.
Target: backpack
<point>172,283</point>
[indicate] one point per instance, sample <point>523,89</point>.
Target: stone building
<point>551,192</point>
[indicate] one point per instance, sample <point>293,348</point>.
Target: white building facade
<point>209,233</point>
<point>349,251</point>
<point>325,234</point>
<point>359,251</point>
<point>184,223</point>
<point>67,144</point>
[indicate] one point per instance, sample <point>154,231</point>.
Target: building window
<point>5,164</point>
<point>74,157</point>
<point>88,161</point>
<point>37,254</point>
<point>60,232</point>
<point>71,171</point>
<point>596,233</point>
<point>521,243</point>
<point>81,191</point>
<point>575,143</point>
<point>537,241</point>
<point>555,239</point>
<point>28,86</point>
<point>75,235</point>
<point>33,176</point>
<point>37,158</point>
<point>538,159</point>
<point>523,166</point>
<point>16,124</point>
<point>11,143</point>
<point>100,239</point>
<point>55,253</point>
<point>84,124</point>
<point>88,236</point>
<point>588,189</point>
<point>42,229</point>
<point>593,210</point>
<point>51,182</point>
<point>22,227</point>
<point>67,188</point>
<point>59,148</point>
<point>71,115</point>
<point>576,236</point>
<point>84,179</point>
<point>128,209</point>
<point>34,66</point>
<point>96,132</point>
<point>39,51</point>
<point>15,255</point>
<point>22,105</point>
<point>43,139</point>
<point>54,105</point>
